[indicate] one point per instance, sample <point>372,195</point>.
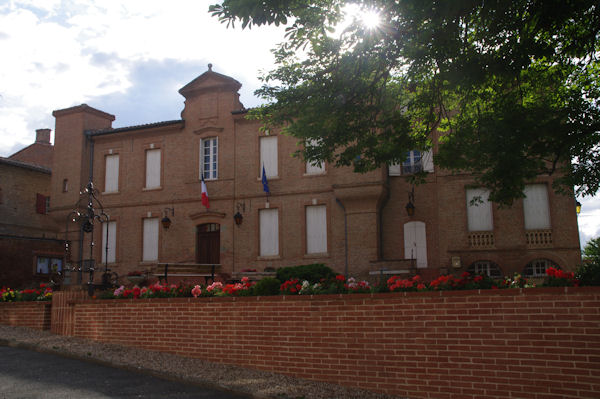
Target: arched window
<point>485,267</point>
<point>538,267</point>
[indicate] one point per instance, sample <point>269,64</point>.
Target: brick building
<point>29,246</point>
<point>355,223</point>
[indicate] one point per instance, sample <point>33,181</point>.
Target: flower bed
<point>43,293</point>
<point>340,285</point>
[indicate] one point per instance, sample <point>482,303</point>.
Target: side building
<point>359,224</point>
<point>30,248</point>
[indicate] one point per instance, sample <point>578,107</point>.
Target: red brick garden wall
<point>26,314</point>
<point>534,343</point>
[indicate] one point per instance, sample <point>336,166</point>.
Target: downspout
<point>345,236</point>
<point>383,204</point>
<point>89,140</point>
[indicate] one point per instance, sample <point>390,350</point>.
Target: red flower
<point>136,292</point>
<point>340,277</point>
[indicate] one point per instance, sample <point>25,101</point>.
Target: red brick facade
<point>539,343</point>
<point>26,230</point>
<point>34,315</point>
<point>366,219</point>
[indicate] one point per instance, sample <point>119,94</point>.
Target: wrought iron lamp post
<point>85,216</point>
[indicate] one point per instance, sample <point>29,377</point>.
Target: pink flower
<point>196,291</point>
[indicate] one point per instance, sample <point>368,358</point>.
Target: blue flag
<point>265,182</point>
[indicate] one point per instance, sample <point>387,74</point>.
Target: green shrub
<point>312,273</point>
<point>266,286</point>
<point>589,274</point>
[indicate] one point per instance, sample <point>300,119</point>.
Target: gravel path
<point>259,384</point>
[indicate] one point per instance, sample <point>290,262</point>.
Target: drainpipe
<point>345,236</point>
<point>90,140</point>
<point>383,204</point>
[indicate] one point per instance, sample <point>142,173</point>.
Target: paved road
<point>29,374</point>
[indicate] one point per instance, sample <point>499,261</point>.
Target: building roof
<point>25,165</point>
<point>103,132</point>
<point>209,81</point>
<point>83,108</point>
<point>39,154</point>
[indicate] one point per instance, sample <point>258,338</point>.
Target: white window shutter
<point>150,250</point>
<point>112,241</point>
<point>415,243</point>
<point>479,213</point>
<point>314,168</point>
<point>535,207</point>
<point>427,161</point>
<point>395,169</point>
<point>268,156</point>
<point>111,181</point>
<point>153,168</point>
<point>316,229</point>
<point>269,232</point>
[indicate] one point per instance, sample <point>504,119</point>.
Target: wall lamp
<point>238,218</point>
<point>577,207</point>
<point>166,222</point>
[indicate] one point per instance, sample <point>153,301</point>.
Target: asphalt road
<point>29,374</point>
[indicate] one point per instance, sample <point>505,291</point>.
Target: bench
<point>164,270</point>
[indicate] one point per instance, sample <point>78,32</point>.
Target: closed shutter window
<point>41,202</point>
<point>150,250</point>
<point>111,174</point>
<point>395,169</point>
<point>153,168</point>
<point>269,232</point>
<point>415,243</point>
<point>316,229</point>
<point>536,208</point>
<point>112,241</point>
<point>479,210</point>
<point>427,161</point>
<point>313,168</point>
<point>268,156</point>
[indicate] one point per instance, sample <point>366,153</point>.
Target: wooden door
<point>208,243</point>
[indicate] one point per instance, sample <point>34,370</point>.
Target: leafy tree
<point>512,86</point>
<point>591,251</point>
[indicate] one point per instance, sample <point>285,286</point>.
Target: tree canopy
<point>511,86</point>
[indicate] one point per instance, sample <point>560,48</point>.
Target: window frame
<point>269,166</point>
<point>111,174</point>
<point>322,233</point>
<point>262,245</point>
<point>156,168</point>
<point>146,240</point>
<point>48,266</point>
<point>212,173</point>
<point>475,225</point>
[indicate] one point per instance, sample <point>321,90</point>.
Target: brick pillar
<point>62,311</point>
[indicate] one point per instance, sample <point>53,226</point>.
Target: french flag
<point>204,194</point>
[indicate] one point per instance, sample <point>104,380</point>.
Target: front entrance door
<point>208,243</point>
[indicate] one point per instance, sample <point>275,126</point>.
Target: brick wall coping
<point>27,303</point>
<point>359,297</point>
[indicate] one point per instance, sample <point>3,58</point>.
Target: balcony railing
<point>538,238</point>
<point>481,239</point>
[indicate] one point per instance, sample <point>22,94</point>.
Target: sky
<point>129,58</point>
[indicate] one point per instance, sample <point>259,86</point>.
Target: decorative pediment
<point>207,215</point>
<point>209,81</point>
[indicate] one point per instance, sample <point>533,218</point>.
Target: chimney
<point>42,136</point>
